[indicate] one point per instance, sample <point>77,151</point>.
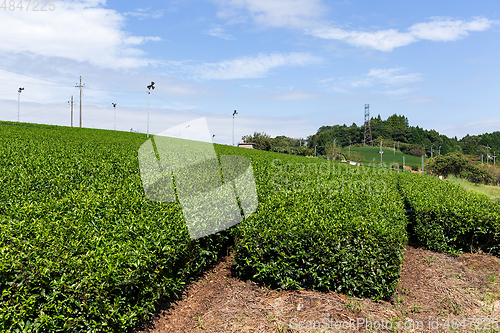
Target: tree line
<point>412,140</point>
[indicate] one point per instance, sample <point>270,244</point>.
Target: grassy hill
<point>371,155</point>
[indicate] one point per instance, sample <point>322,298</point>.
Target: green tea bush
<point>448,218</point>
<point>324,226</point>
<point>81,248</point>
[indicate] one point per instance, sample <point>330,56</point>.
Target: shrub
<point>335,231</point>
<point>448,218</point>
<point>81,247</point>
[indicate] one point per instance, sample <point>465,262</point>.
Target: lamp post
<point>151,86</point>
<point>19,101</point>
<point>234,113</point>
<point>381,152</point>
<point>114,108</point>
<point>349,147</point>
<point>333,152</point>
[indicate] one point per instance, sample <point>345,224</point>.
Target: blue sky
<point>287,66</point>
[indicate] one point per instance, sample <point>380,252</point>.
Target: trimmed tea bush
<point>340,229</point>
<point>81,248</point>
<point>448,218</point>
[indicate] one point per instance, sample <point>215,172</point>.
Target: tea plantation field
<point>83,250</point>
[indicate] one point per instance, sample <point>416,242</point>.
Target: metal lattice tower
<point>367,126</point>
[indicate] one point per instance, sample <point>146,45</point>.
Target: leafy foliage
<point>459,165</point>
<point>81,247</point>
<point>448,218</point>
<point>324,226</point>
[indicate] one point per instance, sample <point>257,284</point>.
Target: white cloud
<point>143,13</point>
<point>309,15</point>
<point>251,67</point>
<point>383,40</point>
<point>218,32</point>
<point>389,77</point>
<point>293,95</point>
<point>420,100</point>
<point>446,29</point>
<point>397,92</point>
<point>78,30</point>
<point>440,29</point>
<point>276,13</point>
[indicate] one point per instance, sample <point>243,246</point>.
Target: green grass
<point>491,191</point>
<point>371,155</point>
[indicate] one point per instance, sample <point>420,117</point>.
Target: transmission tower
<point>367,126</point>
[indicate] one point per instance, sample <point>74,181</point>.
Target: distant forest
<point>413,140</point>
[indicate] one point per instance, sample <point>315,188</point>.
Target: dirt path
<point>432,287</point>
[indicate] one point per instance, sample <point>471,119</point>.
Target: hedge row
<point>81,248</point>
<point>447,218</point>
<point>324,226</point>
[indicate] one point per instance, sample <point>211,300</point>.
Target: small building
<point>250,145</point>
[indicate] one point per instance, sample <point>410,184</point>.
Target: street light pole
<point>381,152</point>
<point>234,113</point>
<point>151,86</point>
<point>19,101</point>
<point>114,108</point>
<point>349,147</point>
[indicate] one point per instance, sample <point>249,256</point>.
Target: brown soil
<point>433,286</point>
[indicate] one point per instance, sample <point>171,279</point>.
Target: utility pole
<point>482,158</point>
<point>151,86</point>
<point>487,154</point>
<point>234,113</point>
<point>439,150</point>
<point>381,152</point>
<point>19,101</point>
<point>349,147</point>
<point>494,157</point>
<point>71,103</point>
<point>398,145</point>
<point>333,153</point>
<point>114,108</point>
<point>80,86</point>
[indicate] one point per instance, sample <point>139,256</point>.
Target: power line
<point>178,107</point>
<point>34,77</point>
<point>64,84</point>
